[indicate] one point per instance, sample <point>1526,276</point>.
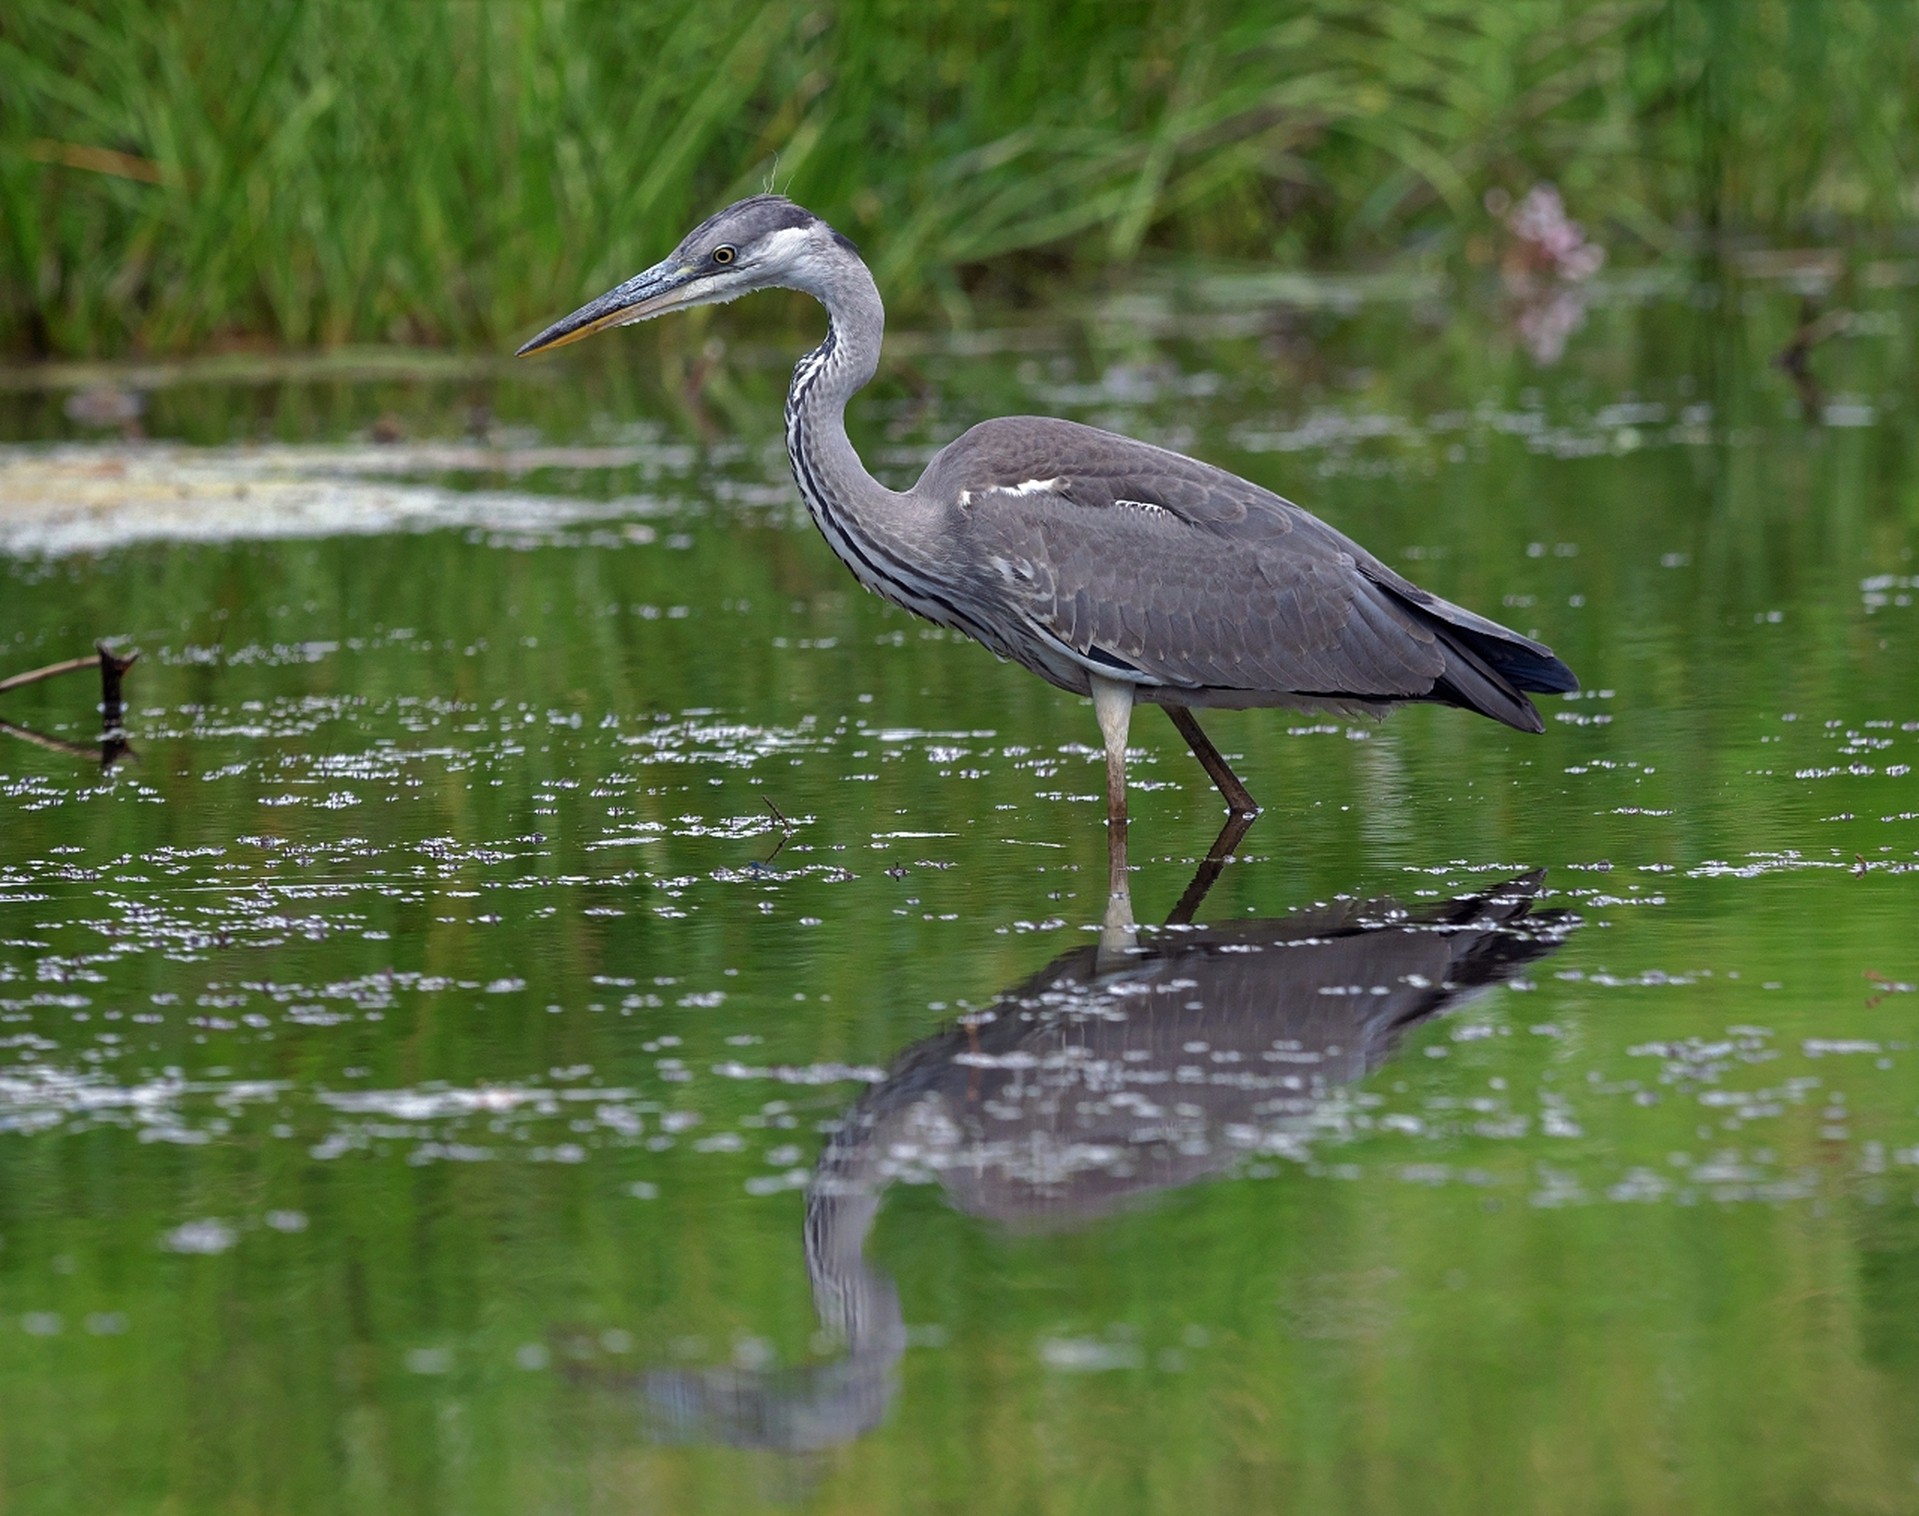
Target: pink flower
<point>1545,242</point>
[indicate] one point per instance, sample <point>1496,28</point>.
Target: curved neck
<point>850,1296</point>
<point>825,379</point>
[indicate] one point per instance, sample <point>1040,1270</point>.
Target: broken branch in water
<point>1796,357</point>
<point>786,829</point>
<point>111,665</point>
<point>34,676</point>
<point>113,668</point>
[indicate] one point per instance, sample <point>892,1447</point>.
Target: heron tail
<point>1472,682</point>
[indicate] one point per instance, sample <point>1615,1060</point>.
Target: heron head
<point>759,243</point>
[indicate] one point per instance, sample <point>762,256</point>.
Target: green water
<point>415,1058</point>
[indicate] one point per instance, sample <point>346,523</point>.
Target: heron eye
<point>724,253</point>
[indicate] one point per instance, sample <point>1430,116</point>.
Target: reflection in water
<point>112,747</point>
<point>1115,1072</point>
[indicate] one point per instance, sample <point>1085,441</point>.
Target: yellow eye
<point>724,253</point>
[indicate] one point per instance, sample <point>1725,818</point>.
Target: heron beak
<point>660,289</point>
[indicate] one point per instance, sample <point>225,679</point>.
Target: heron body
<point>1109,567</point>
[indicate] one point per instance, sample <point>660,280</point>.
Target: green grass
<point>310,172</point>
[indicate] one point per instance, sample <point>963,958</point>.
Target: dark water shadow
<point>1119,1071</point>
<point>112,748</point>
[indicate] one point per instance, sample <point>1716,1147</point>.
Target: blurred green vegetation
<point>176,175</point>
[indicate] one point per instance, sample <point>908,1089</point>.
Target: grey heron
<point>1109,567</point>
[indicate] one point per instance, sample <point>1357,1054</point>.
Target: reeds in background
<point>307,172</point>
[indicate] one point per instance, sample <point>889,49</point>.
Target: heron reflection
<point>1118,1071</point>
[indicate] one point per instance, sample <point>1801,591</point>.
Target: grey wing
<point>1147,565</point>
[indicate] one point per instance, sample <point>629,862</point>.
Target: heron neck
<point>824,380</point>
<point>850,1296</point>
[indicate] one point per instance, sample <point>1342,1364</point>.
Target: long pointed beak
<point>652,293</point>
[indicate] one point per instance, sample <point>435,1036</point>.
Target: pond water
<point>567,1005</point>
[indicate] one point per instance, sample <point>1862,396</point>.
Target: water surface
<point>432,1076</point>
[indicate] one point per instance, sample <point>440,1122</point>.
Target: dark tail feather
<point>1493,652</point>
<point>1527,668</point>
<point>1473,681</point>
<point>1488,667</point>
<point>1490,673</point>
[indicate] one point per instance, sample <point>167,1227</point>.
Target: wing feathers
<point>1216,586</point>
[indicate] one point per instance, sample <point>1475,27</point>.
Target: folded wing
<point>1147,565</point>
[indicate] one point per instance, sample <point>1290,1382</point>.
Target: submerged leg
<point>1113,704</point>
<point>1238,800</point>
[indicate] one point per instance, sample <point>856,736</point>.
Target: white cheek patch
<point>784,244</point>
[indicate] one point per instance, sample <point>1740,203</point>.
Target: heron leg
<point>1113,704</point>
<point>1236,827</point>
<point>1238,799</point>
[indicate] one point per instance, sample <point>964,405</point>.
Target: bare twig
<point>1796,357</point>
<point>111,665</point>
<point>113,745</point>
<point>34,676</point>
<point>786,830</point>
